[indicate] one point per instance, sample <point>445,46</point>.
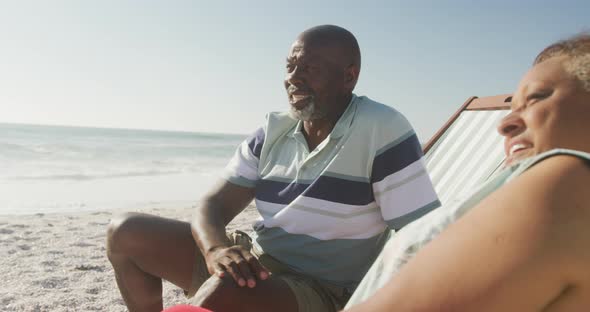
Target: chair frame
<point>496,102</point>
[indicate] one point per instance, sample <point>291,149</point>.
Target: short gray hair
<point>577,50</point>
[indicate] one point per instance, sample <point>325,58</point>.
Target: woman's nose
<point>511,125</point>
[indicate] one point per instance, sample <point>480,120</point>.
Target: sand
<point>57,262</point>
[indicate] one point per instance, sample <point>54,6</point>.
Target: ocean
<point>46,169</point>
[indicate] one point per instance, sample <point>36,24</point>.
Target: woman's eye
<point>538,95</point>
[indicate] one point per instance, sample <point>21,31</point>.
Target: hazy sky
<point>218,66</point>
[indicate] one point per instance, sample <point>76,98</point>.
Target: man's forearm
<point>208,227</point>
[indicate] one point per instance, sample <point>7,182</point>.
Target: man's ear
<point>351,76</point>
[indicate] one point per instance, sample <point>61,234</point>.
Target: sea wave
<point>29,152</point>
<point>112,152</point>
<point>87,177</point>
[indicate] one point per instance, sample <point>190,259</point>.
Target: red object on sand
<point>186,308</point>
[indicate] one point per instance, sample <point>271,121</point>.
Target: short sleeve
<point>401,185</point>
<point>242,169</point>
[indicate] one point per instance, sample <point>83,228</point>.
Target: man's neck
<point>316,131</point>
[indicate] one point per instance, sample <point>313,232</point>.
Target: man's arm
<point>220,205</point>
<point>217,209</point>
<point>518,249</point>
<point>401,183</point>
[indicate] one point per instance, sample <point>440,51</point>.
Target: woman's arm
<point>516,250</point>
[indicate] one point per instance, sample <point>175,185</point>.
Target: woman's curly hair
<point>577,51</point>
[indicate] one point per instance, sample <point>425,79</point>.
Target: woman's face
<point>550,109</point>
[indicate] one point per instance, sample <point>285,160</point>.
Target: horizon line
<point>118,128</point>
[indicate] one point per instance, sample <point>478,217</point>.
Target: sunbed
<point>467,150</point>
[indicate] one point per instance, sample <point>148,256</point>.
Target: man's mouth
<point>299,101</point>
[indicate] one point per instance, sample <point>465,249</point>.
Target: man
<point>328,177</point>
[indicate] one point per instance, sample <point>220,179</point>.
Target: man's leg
<point>145,249</point>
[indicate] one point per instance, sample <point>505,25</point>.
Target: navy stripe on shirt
<point>324,188</point>
<point>396,158</point>
<point>255,142</point>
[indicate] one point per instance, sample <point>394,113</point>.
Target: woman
<point>522,241</point>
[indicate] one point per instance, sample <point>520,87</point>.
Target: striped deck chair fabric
<point>468,149</point>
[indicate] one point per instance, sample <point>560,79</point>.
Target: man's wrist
<point>215,248</point>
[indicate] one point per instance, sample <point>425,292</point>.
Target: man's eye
<point>290,67</point>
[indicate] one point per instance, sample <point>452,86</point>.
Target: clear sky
<point>218,66</point>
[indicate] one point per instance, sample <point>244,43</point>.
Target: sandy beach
<point>57,262</point>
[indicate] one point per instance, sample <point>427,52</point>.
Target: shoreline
<point>58,262</point>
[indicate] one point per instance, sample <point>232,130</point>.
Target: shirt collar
<point>345,120</point>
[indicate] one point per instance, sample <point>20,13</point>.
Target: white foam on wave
<point>64,168</point>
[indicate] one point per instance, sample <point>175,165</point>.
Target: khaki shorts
<point>311,295</point>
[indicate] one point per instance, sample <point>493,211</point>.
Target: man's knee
<point>122,231</point>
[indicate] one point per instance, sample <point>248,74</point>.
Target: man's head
<point>323,66</point>
<point>551,107</point>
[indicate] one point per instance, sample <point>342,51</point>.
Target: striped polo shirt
<point>325,212</point>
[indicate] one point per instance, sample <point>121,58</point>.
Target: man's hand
<point>238,262</point>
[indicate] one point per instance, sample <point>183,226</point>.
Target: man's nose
<point>511,125</point>
<point>294,77</point>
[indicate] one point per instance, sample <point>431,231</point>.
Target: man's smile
<point>300,101</point>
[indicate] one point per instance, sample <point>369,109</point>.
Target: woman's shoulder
<point>583,159</point>
<point>555,183</point>
<point>558,168</point>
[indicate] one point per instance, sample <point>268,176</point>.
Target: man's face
<point>315,80</point>
<point>550,109</point>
